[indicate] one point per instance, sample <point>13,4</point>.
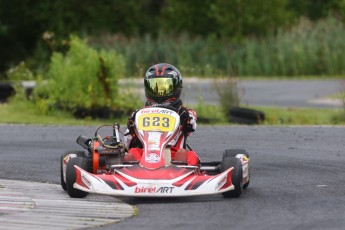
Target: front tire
<point>71,176</point>
<point>236,177</point>
<point>233,153</point>
<point>62,179</point>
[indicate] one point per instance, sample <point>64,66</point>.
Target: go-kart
<point>102,169</point>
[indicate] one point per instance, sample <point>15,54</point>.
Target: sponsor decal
<point>156,110</point>
<point>152,158</point>
<point>154,140</point>
<point>153,189</point>
<point>164,111</point>
<point>153,147</point>
<point>145,111</point>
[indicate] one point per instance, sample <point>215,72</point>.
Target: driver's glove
<point>130,123</point>
<point>192,121</point>
<point>188,120</point>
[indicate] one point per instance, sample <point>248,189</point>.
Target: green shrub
<point>84,79</point>
<point>209,114</point>
<point>16,75</point>
<point>20,72</point>
<point>228,92</point>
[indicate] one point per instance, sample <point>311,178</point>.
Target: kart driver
<point>163,86</point>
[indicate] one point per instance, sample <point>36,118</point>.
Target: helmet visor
<point>160,87</point>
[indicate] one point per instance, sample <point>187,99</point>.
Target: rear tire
<point>71,176</point>
<point>79,154</point>
<point>236,177</point>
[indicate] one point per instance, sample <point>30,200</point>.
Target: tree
<point>317,9</point>
<point>23,22</point>
<point>239,18</point>
<point>189,16</point>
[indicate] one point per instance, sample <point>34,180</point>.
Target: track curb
<point>33,205</point>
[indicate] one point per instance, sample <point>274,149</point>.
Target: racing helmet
<point>163,83</point>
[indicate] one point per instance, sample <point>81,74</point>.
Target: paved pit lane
<point>32,205</point>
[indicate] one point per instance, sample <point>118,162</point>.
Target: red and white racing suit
<point>188,121</point>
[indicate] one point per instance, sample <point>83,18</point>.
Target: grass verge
<point>24,113</point>
<point>302,116</point>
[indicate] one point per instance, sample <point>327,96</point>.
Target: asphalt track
<point>298,177</point>
<point>312,93</point>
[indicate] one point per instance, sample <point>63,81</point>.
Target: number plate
<point>156,122</point>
